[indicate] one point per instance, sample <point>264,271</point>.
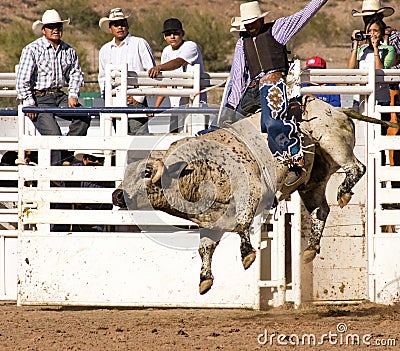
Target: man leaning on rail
<point>46,66</point>
<point>128,49</point>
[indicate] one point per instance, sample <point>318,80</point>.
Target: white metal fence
<point>57,267</point>
<point>382,205</point>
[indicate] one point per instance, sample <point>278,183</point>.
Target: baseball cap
<point>172,24</point>
<point>315,62</point>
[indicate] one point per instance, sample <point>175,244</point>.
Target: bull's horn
<point>160,170</point>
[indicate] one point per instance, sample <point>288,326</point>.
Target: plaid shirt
<point>394,40</point>
<point>282,30</point>
<point>43,67</point>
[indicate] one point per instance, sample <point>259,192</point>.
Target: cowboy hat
<point>372,7</point>
<point>249,12</point>
<point>115,15</point>
<point>95,153</point>
<point>235,31</point>
<point>49,16</point>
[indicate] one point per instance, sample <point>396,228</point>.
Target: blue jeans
<point>250,102</point>
<point>46,123</point>
<point>138,126</point>
<point>283,139</point>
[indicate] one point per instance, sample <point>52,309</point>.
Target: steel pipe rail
<point>96,111</point>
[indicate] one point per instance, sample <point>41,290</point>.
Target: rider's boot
<point>295,174</point>
<point>298,169</point>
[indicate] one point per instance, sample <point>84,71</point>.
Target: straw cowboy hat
<point>49,16</point>
<point>235,31</point>
<point>249,12</point>
<point>115,15</point>
<point>95,153</point>
<point>372,7</point>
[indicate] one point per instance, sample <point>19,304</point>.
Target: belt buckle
<point>40,93</point>
<point>253,83</point>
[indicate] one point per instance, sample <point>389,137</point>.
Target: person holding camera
<point>368,47</point>
<point>374,9</point>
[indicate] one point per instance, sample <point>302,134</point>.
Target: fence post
<point>195,122</point>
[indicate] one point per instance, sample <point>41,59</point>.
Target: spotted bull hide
<point>222,179</point>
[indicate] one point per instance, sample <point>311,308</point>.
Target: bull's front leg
<point>246,249</point>
<point>206,251</point>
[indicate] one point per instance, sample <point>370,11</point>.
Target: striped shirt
<point>282,30</point>
<point>41,66</point>
<point>394,40</point>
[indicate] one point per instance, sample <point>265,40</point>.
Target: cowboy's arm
<point>75,78</point>
<point>394,39</point>
<point>188,55</point>
<point>25,72</point>
<point>237,75</point>
<point>167,66</point>
<point>286,27</point>
<point>146,55</point>
<point>102,75</point>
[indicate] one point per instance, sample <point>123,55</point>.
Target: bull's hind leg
<point>209,240</point>
<point>317,205</point>
<point>246,249</point>
<point>354,171</point>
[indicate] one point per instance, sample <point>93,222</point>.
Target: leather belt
<point>253,83</point>
<point>45,92</point>
<point>273,77</point>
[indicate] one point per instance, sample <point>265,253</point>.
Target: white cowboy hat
<point>49,16</point>
<point>372,7</point>
<point>249,12</point>
<point>235,31</point>
<point>115,15</point>
<point>96,153</point>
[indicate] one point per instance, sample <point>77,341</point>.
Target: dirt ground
<point>76,328</point>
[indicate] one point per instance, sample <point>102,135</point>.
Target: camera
<point>361,36</point>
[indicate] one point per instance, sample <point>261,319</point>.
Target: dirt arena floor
<point>353,327</point>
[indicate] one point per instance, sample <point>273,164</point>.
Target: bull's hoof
<point>344,199</point>
<point>249,259</point>
<point>205,286</point>
<point>310,253</point>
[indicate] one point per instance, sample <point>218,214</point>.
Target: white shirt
<point>382,92</point>
<point>134,51</point>
<point>190,52</point>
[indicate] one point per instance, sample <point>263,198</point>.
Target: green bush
<point>13,41</point>
<point>80,13</point>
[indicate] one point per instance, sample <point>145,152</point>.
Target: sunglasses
<point>53,26</point>
<point>175,33</point>
<point>121,23</point>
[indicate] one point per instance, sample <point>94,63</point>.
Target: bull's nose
<point>118,198</point>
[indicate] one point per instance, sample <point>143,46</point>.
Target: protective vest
<point>265,54</point>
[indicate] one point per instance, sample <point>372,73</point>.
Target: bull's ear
<point>175,169</point>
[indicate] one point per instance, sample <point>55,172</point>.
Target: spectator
<point>381,55</point>
<point>261,55</point>
<point>317,62</point>
<point>176,57</point>
<point>125,48</point>
<point>373,9</point>
<point>46,66</point>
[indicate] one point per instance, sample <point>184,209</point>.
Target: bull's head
<point>141,187</point>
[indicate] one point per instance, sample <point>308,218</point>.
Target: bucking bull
<point>222,179</point>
